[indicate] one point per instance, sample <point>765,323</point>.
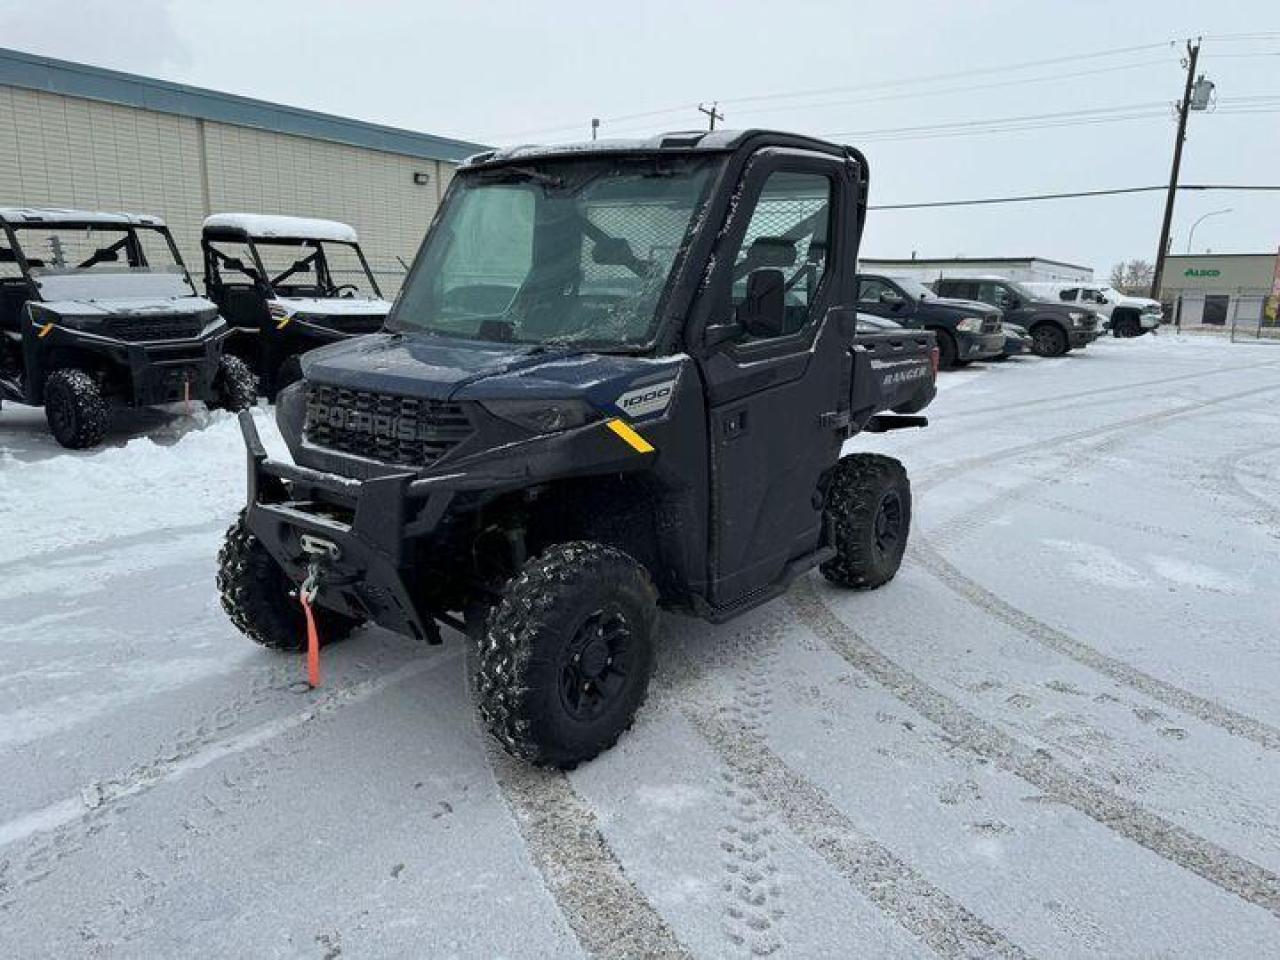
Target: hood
<point>439,368</point>
<point>961,306</point>
<point>180,306</point>
<point>334,306</point>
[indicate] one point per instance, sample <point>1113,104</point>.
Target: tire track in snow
<point>945,472</point>
<point>1224,869</point>
<point>60,829</point>
<point>1102,391</point>
<point>159,534</point>
<point>949,928</point>
<point>610,917</point>
<point>1059,641</point>
<point>1229,476</point>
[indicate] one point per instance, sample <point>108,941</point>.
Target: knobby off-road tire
<point>75,408</point>
<point>259,599</point>
<point>1048,340</point>
<point>566,655</point>
<point>234,387</point>
<point>869,508</point>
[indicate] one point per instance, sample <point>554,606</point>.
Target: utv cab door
<point>776,367</point>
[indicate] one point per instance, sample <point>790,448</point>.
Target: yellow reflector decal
<point>283,321</point>
<point>636,442</point>
<point>45,330</point>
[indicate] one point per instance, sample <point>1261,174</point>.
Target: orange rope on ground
<point>313,642</point>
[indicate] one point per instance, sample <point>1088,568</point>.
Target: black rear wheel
<point>868,508</point>
<point>75,408</point>
<point>566,654</point>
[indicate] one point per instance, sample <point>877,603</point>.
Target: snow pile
<point>151,482</point>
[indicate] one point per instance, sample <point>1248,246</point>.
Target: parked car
<point>1055,327</point>
<point>1125,316</point>
<point>1016,341</point>
<point>649,412</point>
<point>966,330</point>
<point>287,285</point>
<point>97,310</point>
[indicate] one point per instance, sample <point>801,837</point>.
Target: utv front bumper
<point>365,522</point>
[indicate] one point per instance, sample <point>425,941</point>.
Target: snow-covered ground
<point>1056,733</point>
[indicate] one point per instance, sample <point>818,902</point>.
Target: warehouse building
<point>1221,289</point>
<point>1011,268</point>
<point>85,137</point>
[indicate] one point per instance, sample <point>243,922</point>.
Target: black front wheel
<point>1048,340</point>
<point>234,387</point>
<point>565,656</point>
<point>947,350</point>
<point>262,601</point>
<point>868,511</point>
<point>75,408</point>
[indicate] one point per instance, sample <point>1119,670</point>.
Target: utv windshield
<point>321,269</point>
<point>562,253</point>
<point>102,261</point>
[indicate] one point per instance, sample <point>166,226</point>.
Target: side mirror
<point>763,312</point>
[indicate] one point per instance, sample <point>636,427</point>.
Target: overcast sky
<point>500,71</point>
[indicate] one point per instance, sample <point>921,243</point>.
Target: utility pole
<point>712,115</point>
<point>1193,54</point>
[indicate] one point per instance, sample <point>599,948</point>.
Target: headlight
<point>970,324</point>
<point>542,416</point>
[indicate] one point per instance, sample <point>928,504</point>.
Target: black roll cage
<point>258,273</point>
<point>130,241</point>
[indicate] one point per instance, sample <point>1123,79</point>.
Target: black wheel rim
<point>888,525</point>
<point>1045,341</point>
<point>60,415</point>
<point>593,666</point>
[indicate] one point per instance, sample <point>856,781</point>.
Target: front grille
<point>383,426</point>
<point>991,323</point>
<point>140,329</point>
<point>353,323</point>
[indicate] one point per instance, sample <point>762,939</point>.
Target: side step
<point>762,595</point>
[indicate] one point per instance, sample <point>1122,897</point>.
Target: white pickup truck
<point>1127,316</point>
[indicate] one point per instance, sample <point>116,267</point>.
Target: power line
<point>878,85</point>
<point>1034,197</point>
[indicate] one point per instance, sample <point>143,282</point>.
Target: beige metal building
<point>1011,268</point>
<point>73,135</point>
<point>1220,289</point>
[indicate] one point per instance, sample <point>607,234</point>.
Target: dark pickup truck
<point>620,375</point>
<point>1055,327</point>
<point>966,330</point>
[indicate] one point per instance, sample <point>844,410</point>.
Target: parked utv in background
<point>1054,326</point>
<point>619,376</point>
<point>966,330</point>
<point>1127,316</point>
<point>287,285</point>
<point>97,310</point>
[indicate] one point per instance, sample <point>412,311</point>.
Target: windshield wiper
<point>529,173</point>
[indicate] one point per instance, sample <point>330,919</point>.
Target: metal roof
<point>16,216</point>
<point>31,72</point>
<point>261,226</point>
<point>679,141</point>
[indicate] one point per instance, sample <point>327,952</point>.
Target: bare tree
<point>1132,277</point>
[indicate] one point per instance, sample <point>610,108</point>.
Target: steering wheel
<point>351,290</point>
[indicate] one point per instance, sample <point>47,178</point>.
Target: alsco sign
<point>1192,272</point>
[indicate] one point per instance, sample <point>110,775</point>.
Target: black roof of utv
<point>677,142</point>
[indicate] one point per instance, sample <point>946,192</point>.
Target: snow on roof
<point>19,215</point>
<point>267,226</point>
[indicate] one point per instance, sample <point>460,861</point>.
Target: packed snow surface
<point>1056,733</point>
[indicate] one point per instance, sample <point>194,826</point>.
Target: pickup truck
<point>966,330</point>
<point>1055,327</point>
<point>619,376</point>
<point>1127,316</point>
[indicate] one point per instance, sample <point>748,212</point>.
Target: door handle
<point>734,424</point>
